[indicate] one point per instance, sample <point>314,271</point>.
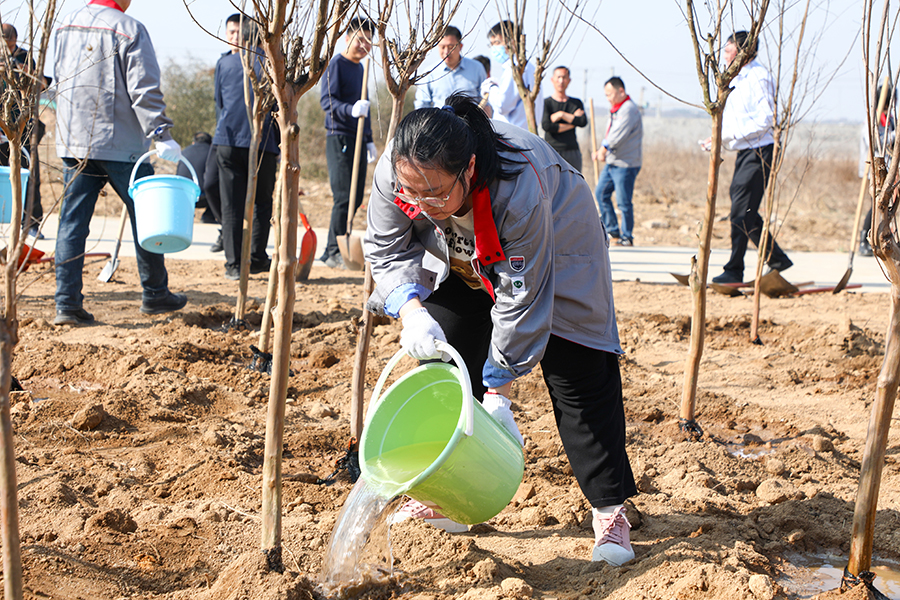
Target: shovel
<point>351,245</point>
<point>113,264</point>
<point>307,250</point>
<point>859,204</point>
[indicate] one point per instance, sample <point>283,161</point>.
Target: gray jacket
<point>543,252</point>
<point>108,98</point>
<point>624,136</point>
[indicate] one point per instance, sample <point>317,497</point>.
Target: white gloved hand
<point>420,331</point>
<point>168,150</point>
<point>498,406</point>
<point>486,86</point>
<point>371,152</point>
<point>360,109</point>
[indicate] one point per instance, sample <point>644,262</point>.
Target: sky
<point>652,34</point>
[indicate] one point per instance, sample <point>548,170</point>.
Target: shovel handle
<point>594,143</point>
<point>357,152</point>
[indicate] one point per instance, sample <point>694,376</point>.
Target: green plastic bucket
<point>428,438</point>
<point>6,199</point>
<point>164,209</point>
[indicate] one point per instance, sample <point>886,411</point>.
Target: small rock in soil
<point>88,418</point>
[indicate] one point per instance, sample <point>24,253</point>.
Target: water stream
<point>810,575</point>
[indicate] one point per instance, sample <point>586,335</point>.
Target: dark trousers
<point>211,185</point>
<point>233,179</point>
<point>33,186</point>
<point>585,390</point>
<point>339,153</point>
<point>751,174</point>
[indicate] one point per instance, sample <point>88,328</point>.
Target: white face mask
<point>499,54</point>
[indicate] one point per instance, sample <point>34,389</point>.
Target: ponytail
<point>446,139</point>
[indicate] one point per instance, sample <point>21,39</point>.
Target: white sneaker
<point>413,509</point>
<point>612,540</point>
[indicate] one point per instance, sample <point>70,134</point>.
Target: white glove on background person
<point>498,406</point>
<point>168,150</point>
<point>486,86</point>
<point>371,152</point>
<point>360,109</point>
<point>420,330</point>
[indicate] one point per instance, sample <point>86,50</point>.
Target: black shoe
<point>865,249</point>
<point>625,243</point>
<point>782,265</point>
<point>232,273</point>
<point>207,217</point>
<point>77,316</point>
<point>260,267</point>
<point>168,303</point>
<point>727,277</point>
<point>217,247</point>
<point>35,232</point>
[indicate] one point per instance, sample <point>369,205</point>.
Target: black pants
<point>34,183</point>
<point>211,185</point>
<point>233,177</point>
<point>751,174</point>
<point>339,153</point>
<point>585,390</point>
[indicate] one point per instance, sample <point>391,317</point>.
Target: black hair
<point>9,32</point>
<point>201,137</point>
<point>235,18</point>
<point>485,62</point>
<point>739,38</point>
<point>445,139</point>
<point>453,31</point>
<point>505,29</point>
<point>359,23</point>
<point>616,82</point>
<point>568,72</point>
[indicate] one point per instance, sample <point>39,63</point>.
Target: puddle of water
<point>741,451</point>
<point>360,532</point>
<point>806,576</point>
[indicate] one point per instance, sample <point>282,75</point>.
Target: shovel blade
<point>108,270</point>
<point>352,252</point>
<point>843,282</point>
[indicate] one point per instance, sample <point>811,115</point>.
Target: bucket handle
<point>152,152</point>
<point>462,375</point>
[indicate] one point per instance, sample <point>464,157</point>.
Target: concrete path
<point>652,264</point>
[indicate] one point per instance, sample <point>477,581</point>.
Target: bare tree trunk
<point>764,251</point>
<point>265,327</point>
<point>876,442</point>
<point>9,510</point>
<point>698,278</point>
<point>397,101</point>
<point>249,203</point>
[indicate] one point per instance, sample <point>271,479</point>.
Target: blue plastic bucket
<point>164,209</point>
<point>6,190</point>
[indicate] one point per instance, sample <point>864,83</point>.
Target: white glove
<point>486,86</point>
<point>498,406</point>
<point>371,152</point>
<point>168,150</point>
<point>360,109</point>
<point>419,333</point>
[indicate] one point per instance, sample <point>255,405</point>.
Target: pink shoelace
<point>613,529</point>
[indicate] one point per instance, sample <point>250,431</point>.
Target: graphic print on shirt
<point>461,248</point>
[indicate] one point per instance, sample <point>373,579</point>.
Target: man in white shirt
<point>747,128</point>
<point>455,74</point>
<point>504,99</point>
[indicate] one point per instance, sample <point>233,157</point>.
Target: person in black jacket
<point>562,114</point>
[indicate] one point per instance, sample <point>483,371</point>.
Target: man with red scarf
<point>109,108</point>
<point>621,151</point>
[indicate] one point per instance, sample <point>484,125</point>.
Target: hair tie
<point>448,107</point>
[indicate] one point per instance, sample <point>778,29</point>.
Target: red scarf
<point>107,4</point>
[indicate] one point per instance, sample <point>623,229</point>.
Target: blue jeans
<point>81,192</point>
<point>620,179</point>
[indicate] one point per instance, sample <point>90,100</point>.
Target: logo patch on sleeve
<point>516,263</point>
<point>518,285</point>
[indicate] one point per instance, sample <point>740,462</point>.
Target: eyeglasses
<point>430,201</point>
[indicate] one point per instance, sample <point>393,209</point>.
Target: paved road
<point>652,264</point>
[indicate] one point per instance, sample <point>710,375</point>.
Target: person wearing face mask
<point>341,92</point>
<point>456,73</point>
<point>481,235</point>
<point>503,95</point>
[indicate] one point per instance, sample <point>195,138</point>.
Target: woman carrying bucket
<point>481,235</point>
